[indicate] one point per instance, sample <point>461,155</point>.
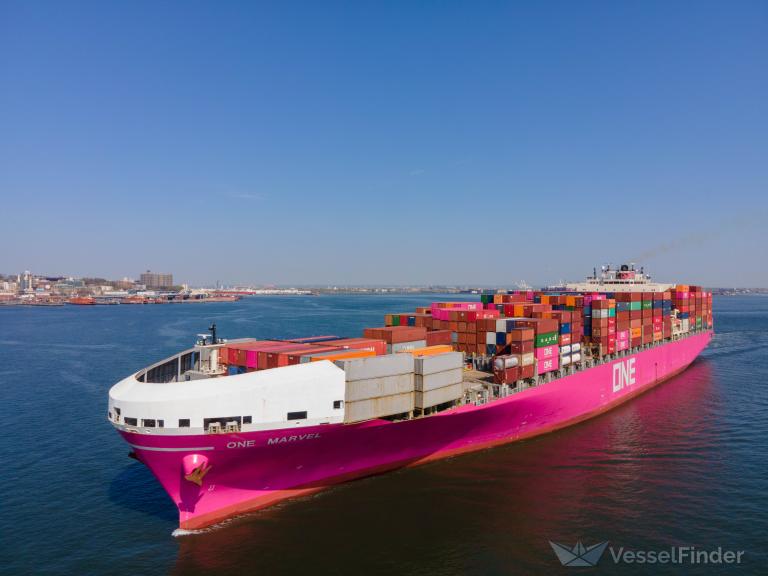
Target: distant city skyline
<point>385,143</point>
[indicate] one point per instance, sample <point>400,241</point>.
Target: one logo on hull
<point>623,374</point>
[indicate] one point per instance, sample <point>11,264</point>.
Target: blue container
<point>490,349</point>
<point>622,306</point>
<point>684,315</point>
<point>501,338</point>
<point>232,370</point>
<point>565,328</point>
<point>411,321</point>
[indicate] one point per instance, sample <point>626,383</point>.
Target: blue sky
<point>384,142</point>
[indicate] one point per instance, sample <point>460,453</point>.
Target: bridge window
<point>166,372</point>
<point>188,361</point>
<point>297,415</point>
<point>131,421</point>
<point>183,422</point>
<point>247,419</point>
<point>148,422</point>
<point>161,423</point>
<point>336,404</point>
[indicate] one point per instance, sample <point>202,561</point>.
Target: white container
<point>564,350</point>
<point>490,338</point>
<point>438,380</point>
<point>438,363</point>
<point>438,396</point>
<point>405,346</point>
<point>576,357</point>
<point>378,407</point>
<point>375,366</point>
<point>575,347</point>
<point>506,362</point>
<point>565,360</point>
<point>524,359</point>
<point>357,390</point>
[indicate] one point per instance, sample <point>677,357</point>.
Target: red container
<point>506,375</point>
<point>521,334</point>
<point>436,337</point>
<point>295,358</point>
<point>396,334</point>
<point>526,371</point>
<point>378,346</point>
<point>524,347</point>
<point>540,325</point>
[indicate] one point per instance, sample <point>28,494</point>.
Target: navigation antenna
<point>212,330</point>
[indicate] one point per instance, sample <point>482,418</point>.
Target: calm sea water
<point>684,464</point>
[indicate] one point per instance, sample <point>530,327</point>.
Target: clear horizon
<point>385,143</point>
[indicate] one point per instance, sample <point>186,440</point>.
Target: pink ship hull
<point>252,470</point>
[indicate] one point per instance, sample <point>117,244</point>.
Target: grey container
<point>405,346</point>
<point>378,407</point>
<point>378,387</point>
<point>438,396</point>
<point>439,379</point>
<point>438,363</point>
<point>376,366</point>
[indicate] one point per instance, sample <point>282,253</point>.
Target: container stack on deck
<point>694,308</point>
<point>399,338</point>
<point>563,328</point>
<point>378,387</point>
<point>416,361</point>
<point>243,356</point>
<point>438,379</point>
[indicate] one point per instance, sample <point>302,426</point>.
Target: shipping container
<point>438,396</point>
<point>378,407</point>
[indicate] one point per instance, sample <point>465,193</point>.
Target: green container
<point>636,305</point>
<point>611,312</point>
<point>395,319</point>
<point>546,339</point>
<point>647,304</point>
<point>486,298</point>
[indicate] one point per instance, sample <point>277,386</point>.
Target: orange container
<point>344,355</point>
<point>429,350</point>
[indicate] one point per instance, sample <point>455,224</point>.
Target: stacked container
<point>438,379</point>
<point>604,325</point>
<point>377,387</point>
<point>399,338</point>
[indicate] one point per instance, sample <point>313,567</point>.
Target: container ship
<point>232,426</point>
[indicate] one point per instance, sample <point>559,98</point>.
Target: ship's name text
<point>279,440</point>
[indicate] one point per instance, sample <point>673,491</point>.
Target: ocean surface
<point>685,464</point>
